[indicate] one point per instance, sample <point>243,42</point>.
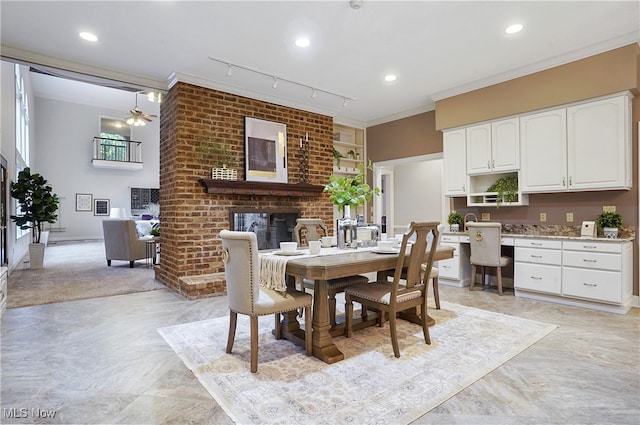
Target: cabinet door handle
<point>493,163</point>
<point>464,188</point>
<point>535,244</point>
<point>536,278</point>
<point>586,260</point>
<point>570,181</point>
<point>536,256</point>
<point>488,164</point>
<point>564,183</point>
<point>589,246</point>
<point>589,284</point>
<point>446,267</point>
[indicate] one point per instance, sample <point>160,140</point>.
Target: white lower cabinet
<point>454,271</point>
<point>600,271</point>
<point>592,274</point>
<point>538,266</point>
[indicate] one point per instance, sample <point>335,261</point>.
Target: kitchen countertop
<point>552,236</point>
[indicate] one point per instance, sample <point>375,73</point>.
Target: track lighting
<point>276,80</point>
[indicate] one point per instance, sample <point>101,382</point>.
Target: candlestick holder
<point>303,158</point>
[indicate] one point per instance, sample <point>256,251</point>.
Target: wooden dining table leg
<point>323,346</point>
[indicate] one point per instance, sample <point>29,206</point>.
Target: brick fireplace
<point>193,118</point>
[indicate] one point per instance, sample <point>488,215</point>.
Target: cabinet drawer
<point>538,277</point>
<point>449,268</point>
<point>506,241</point>
<point>592,284</point>
<point>538,256</point>
<point>448,238</point>
<point>593,246</point>
<point>592,260</point>
<point>538,243</point>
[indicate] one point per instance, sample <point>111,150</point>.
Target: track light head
<point>314,92</point>
<point>230,70</point>
<point>275,83</point>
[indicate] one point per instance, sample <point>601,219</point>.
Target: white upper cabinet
<point>543,138</point>
<point>455,164</point>
<point>582,147</point>
<point>505,145</point>
<point>493,147</point>
<point>598,144</point>
<point>479,149</point>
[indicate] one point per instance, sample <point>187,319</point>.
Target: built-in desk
<point>587,272</point>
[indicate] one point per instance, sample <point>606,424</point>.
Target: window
<point>22,132</point>
<point>115,135</point>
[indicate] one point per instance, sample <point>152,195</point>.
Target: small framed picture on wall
<point>100,207</point>
<point>84,202</point>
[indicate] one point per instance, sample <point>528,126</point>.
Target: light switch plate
<point>609,208</point>
<point>486,216</point>
<point>569,217</point>
<point>543,217</point>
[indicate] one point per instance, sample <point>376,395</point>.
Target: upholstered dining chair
<point>312,229</point>
<point>121,241</point>
<point>396,296</point>
<point>485,243</point>
<point>246,296</point>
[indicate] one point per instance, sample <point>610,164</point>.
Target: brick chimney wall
<point>191,219</point>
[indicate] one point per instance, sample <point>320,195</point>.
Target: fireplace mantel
<point>243,187</point>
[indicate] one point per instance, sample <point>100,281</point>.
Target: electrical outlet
<point>569,217</point>
<point>543,217</point>
<point>609,208</point>
<point>486,216</point>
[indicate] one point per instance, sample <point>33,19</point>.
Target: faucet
<point>470,215</point>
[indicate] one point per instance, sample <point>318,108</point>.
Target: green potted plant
<point>350,190</point>
<point>337,155</point>
<point>609,222</point>
<point>216,152</point>
<point>454,220</point>
<point>506,188</point>
<point>37,204</point>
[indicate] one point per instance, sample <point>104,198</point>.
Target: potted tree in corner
<point>37,205</point>
<point>609,222</point>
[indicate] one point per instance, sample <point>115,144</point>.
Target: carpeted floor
<point>370,385</point>
<point>74,271</point>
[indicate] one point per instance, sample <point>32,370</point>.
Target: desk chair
<point>312,229</point>
<point>246,296</point>
<point>485,242</point>
<point>393,297</point>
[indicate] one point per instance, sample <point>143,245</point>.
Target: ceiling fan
<point>137,118</point>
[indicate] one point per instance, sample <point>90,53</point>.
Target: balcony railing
<point>115,153</point>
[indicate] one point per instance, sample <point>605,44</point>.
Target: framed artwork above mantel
<point>265,151</point>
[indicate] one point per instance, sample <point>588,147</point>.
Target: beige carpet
<point>369,386</point>
<point>75,271</point>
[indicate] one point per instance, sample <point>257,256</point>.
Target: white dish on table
<point>288,253</point>
<point>385,251</point>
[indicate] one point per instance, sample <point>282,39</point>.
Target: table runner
<point>273,267</point>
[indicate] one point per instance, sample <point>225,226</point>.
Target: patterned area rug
<point>369,386</point>
<point>74,271</point>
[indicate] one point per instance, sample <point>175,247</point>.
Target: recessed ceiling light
<point>303,42</point>
<point>390,77</point>
<point>88,36</point>
<point>512,29</point>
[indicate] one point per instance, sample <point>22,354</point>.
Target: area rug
<point>74,271</point>
<point>369,386</point>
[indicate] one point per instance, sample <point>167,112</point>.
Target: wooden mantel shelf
<point>243,187</point>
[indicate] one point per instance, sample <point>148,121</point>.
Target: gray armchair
<point>121,241</point>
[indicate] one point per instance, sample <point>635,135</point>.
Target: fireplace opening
<point>271,226</point>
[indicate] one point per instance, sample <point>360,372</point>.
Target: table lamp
<point>118,213</point>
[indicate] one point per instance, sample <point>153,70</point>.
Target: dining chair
<point>485,243</point>
<point>246,296</point>
<point>312,229</point>
<point>391,297</point>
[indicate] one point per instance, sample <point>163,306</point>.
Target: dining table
<point>322,268</point>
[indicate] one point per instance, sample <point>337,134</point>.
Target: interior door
<point>4,201</point>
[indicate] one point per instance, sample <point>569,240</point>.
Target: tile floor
<point>103,361</point>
